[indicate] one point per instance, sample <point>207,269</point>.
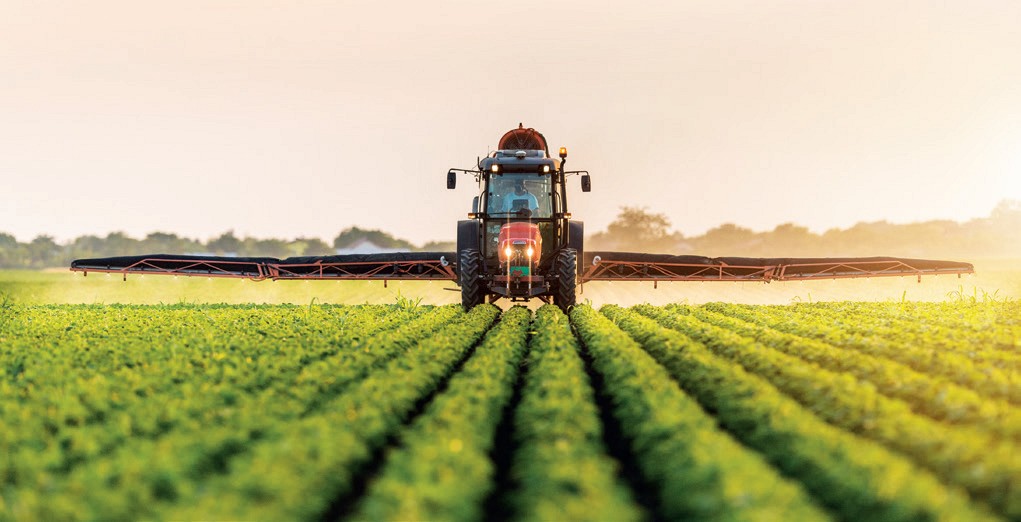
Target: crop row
<point>677,445</point>
<point>989,381</point>
<point>561,467</point>
<point>979,328</point>
<point>972,331</point>
<point>925,394</point>
<point>442,467</point>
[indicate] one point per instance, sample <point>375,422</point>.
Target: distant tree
<point>12,253</point>
<point>119,244</point>
<point>1007,217</point>
<point>1001,232</point>
<point>728,239</point>
<point>296,248</point>
<point>164,243</point>
<point>869,238</point>
<point>639,230</point>
<point>789,239</point>
<point>227,243</point>
<point>353,235</point>
<point>44,251</point>
<point>1007,209</point>
<point>88,246</point>
<point>309,246</point>
<point>265,247</point>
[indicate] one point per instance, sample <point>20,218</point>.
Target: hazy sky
<point>285,119</point>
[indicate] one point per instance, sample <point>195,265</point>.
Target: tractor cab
<point>519,210</point>
<point>519,228</point>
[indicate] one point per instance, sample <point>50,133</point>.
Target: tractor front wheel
<point>469,268</point>
<point>565,267</point>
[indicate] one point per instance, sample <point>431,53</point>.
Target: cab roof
<point>519,161</point>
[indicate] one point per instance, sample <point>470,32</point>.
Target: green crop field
<point>409,411</point>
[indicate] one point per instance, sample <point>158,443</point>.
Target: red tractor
<point>520,242</point>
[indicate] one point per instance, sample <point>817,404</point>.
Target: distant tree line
<point>635,230</point>
<point>998,235</point>
<point>354,235</point>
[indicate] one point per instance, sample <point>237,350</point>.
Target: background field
<point>999,277</point>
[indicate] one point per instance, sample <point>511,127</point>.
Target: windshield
<point>520,195</point>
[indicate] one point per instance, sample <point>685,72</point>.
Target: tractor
<point>519,241</point>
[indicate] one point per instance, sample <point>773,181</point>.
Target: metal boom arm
<point>409,265</point>
<point>598,266</point>
<point>630,266</point>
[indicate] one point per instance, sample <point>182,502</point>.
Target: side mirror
<point>475,205</point>
<point>586,183</point>
<point>451,179</point>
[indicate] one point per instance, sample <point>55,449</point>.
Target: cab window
<point>520,195</point>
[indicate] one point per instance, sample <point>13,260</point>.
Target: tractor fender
<point>469,232</point>
<point>576,235</point>
<point>576,240</point>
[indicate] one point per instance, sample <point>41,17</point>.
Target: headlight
<point>530,251</point>
<point>508,251</point>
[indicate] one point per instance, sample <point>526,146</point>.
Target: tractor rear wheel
<point>565,267</point>
<point>469,269</point>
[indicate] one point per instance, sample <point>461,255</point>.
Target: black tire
<point>565,267</point>
<point>469,272</point>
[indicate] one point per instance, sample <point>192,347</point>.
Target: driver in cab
<point>520,199</point>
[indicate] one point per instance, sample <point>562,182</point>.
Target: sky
<point>288,119</point>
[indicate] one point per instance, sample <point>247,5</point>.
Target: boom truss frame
<point>438,268</point>
<point>620,270</point>
<point>257,271</point>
